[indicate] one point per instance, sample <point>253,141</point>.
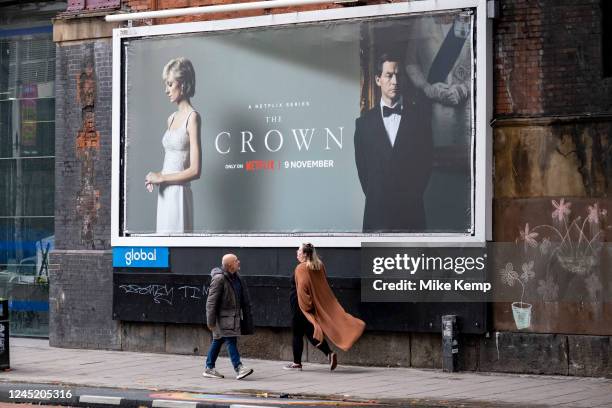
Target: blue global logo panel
<point>140,257</point>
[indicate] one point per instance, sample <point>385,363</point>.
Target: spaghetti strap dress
<point>175,201</point>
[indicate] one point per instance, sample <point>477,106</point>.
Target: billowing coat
<point>321,308</point>
<point>229,316</point>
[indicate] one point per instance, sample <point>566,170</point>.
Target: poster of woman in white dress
<point>182,153</point>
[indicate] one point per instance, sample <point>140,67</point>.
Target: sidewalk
<point>33,361</point>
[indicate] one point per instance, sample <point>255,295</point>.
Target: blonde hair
<point>313,262</point>
<point>182,71</point>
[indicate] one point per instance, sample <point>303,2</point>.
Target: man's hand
<point>445,94</point>
<point>438,92</point>
<point>456,94</point>
<point>211,327</point>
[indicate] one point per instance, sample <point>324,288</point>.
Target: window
<point>27,174</point>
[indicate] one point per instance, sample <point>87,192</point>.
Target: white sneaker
<point>212,373</point>
<point>243,372</point>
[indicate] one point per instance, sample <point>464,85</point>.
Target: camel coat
<point>321,308</point>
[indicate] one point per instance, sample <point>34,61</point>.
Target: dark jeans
<point>215,348</point>
<point>302,327</point>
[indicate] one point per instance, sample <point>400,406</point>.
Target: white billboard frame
<point>482,151</point>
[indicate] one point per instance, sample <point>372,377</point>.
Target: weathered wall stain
<point>87,151</point>
<point>573,160</point>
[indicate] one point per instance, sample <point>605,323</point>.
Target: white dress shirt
<point>392,121</point>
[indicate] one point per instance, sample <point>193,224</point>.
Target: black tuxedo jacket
<point>393,178</point>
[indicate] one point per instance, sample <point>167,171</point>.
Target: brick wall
<point>83,172</point>
<point>552,133</point>
<point>548,59</point>
<point>572,61</point>
<point>518,58</point>
<point>80,292</point>
<point>81,300</point>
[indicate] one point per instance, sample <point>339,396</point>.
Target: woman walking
<point>316,311</point>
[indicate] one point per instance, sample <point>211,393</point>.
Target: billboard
<point>343,125</point>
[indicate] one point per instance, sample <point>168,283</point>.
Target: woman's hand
<point>153,178</point>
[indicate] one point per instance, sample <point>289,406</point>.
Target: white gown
<point>175,201</point>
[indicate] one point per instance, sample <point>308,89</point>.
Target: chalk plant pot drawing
<point>522,315</point>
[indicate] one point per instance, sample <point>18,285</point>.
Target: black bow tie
<point>387,111</point>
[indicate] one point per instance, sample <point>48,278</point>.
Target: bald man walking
<point>228,315</point>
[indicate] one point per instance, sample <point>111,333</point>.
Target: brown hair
<point>313,261</point>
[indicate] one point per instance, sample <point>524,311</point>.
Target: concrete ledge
<point>590,356</point>
<point>426,350</point>
<point>187,339</point>
<point>524,353</point>
<point>143,337</point>
<point>373,348</point>
<point>269,343</point>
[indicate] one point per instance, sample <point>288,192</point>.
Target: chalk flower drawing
<point>548,289</point>
<point>520,311</point>
<point>545,246</point>
<point>595,213</point>
<point>528,272</point>
<point>529,237</point>
<point>509,276</point>
<point>562,210</point>
<point>576,246</point>
<point>564,254</point>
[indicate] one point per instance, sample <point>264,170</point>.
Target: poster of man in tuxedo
<point>413,139</point>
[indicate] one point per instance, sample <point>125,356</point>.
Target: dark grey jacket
<point>229,315</point>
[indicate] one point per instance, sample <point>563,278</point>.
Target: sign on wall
<point>248,132</point>
<point>140,257</point>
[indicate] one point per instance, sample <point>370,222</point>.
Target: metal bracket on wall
<point>493,8</point>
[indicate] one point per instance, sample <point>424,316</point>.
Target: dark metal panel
<point>157,297</point>
<point>254,261</point>
<point>339,262</point>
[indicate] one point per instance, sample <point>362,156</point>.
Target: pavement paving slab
<point>122,377</point>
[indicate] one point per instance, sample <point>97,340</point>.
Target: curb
<point>83,396</point>
<point>100,401</point>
